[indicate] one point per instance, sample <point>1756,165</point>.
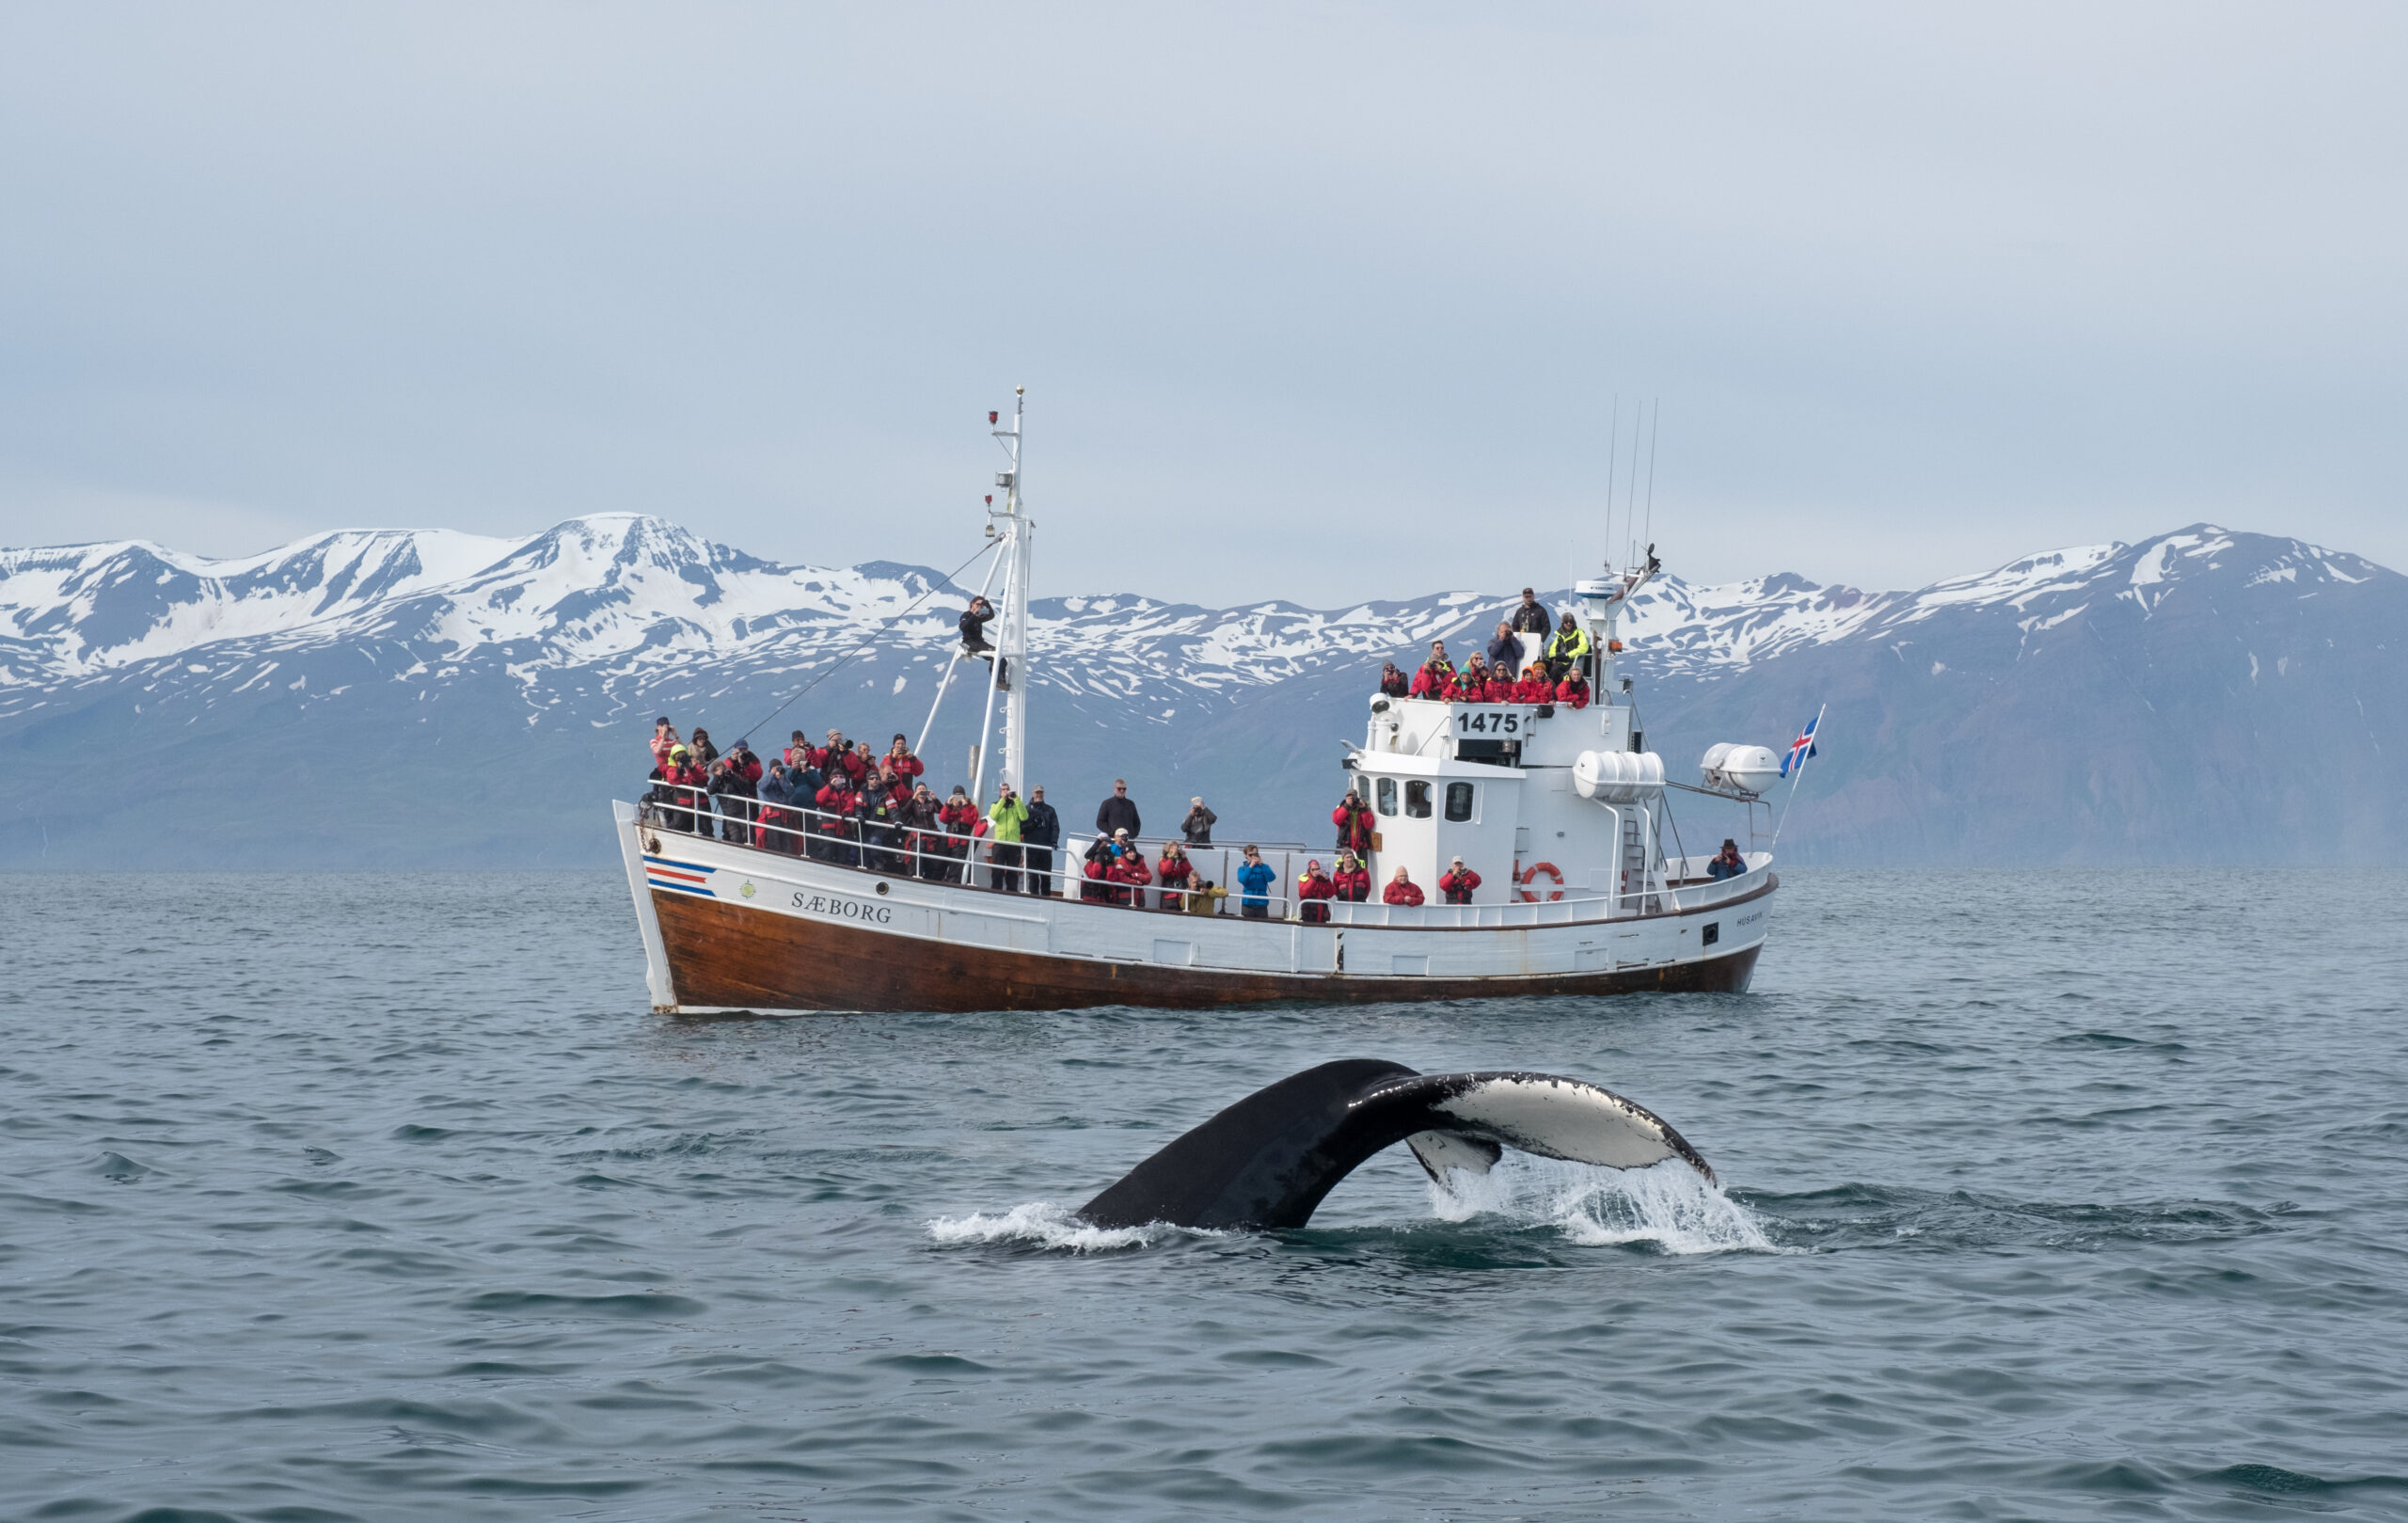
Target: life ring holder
<point>1530,873</point>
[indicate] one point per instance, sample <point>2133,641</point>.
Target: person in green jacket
<point>1570,647</point>
<point>1006,821</point>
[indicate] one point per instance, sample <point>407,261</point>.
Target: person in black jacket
<point>974,639</point>
<point>1118,813</point>
<point>973,626</point>
<point>1531,618</point>
<point>1504,650</point>
<point>1039,836</point>
<point>735,780</point>
<point>1197,826</point>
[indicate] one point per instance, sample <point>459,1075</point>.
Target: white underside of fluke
<point>1556,1119</point>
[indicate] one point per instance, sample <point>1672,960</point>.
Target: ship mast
<point>1011,638</point>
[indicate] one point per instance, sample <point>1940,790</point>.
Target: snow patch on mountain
<point>628,601</point>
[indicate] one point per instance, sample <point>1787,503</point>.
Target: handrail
<point>942,855</point>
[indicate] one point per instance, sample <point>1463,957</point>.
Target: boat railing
<point>898,849</point>
<point>940,855</point>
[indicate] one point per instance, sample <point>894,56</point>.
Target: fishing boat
<point>1558,810</point>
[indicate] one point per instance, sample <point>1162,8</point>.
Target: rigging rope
<point>868,640</point>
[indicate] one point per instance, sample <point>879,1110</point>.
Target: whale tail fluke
<point>1269,1160</point>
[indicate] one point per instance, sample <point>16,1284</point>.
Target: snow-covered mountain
<point>383,697</point>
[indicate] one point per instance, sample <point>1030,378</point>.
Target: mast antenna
<point>1651,469</point>
<point>1613,445</point>
<point>1630,497</point>
<point>1011,526</point>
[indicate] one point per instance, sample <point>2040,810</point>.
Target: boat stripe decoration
<point>685,877</point>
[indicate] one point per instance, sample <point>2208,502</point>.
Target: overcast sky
<point>1317,301</point>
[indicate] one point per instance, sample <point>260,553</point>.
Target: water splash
<point>1050,1226</point>
<point>1667,1206</point>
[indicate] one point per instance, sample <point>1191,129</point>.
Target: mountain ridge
<point>359,644</point>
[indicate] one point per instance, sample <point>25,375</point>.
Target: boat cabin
<point>1543,801</point>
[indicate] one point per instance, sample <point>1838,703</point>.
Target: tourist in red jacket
<point>1469,683</point>
<point>1401,890</point>
<point>1129,875</point>
<point>837,801</point>
<point>898,756</point>
<point>1175,869</point>
<point>664,740</point>
<point>1456,886</point>
<point>1534,688</point>
<point>1437,673</point>
<point>1352,817</point>
<point>678,791</point>
<point>959,817</point>
<point>1315,889</point>
<point>1502,687</point>
<point>1573,690</point>
<point>1353,880</point>
<point>920,815</point>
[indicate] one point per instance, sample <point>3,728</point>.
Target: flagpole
<point>1816,731</point>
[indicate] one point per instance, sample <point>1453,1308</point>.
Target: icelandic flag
<point>1802,748</point>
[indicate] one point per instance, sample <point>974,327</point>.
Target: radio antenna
<point>1630,497</point>
<point>1651,469</point>
<point>1613,446</point>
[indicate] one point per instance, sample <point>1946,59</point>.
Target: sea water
<point>2063,1195</point>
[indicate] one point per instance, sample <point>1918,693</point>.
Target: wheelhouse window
<point>1417,800</point>
<point>1387,795</point>
<point>1458,802</point>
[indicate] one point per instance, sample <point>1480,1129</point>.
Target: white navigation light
<point>1618,776</point>
<point>1734,769</point>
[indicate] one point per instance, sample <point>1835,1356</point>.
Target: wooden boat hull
<point>730,957</point>
<point>728,927</point>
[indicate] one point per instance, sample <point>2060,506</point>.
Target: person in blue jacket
<point>1254,883</point>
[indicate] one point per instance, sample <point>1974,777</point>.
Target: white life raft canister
<point>1618,776</point>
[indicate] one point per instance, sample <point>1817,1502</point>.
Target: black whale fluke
<point>1267,1161</point>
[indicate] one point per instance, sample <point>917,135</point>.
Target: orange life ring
<point>1535,868</point>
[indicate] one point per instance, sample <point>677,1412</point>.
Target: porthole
<point>1417,800</point>
<point>1387,795</point>
<point>1459,795</point>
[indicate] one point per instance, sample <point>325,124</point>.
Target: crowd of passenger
<point>844,802</point>
<point>1549,667</point>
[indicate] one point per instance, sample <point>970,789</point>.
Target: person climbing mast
<point>974,641</point>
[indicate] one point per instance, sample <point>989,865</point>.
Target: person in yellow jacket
<point>1005,820</point>
<point>1569,648</point>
